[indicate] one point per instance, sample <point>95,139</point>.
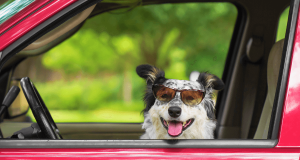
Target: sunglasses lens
<point>163,93</point>
<point>192,97</point>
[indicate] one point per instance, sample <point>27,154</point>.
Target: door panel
<point>84,130</point>
<point>203,154</point>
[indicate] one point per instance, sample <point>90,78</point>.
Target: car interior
<point>243,108</point>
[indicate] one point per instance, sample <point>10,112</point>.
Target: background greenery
<point>94,77</point>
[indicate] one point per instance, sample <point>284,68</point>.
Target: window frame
<point>231,57</point>
<point>276,115</point>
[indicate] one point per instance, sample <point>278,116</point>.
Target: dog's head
<point>178,108</point>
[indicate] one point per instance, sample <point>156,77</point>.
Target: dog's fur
<point>203,114</point>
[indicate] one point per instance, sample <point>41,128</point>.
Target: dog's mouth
<point>175,128</point>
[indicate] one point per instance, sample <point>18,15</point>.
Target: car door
<point>283,143</point>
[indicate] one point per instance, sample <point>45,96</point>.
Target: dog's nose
<point>174,112</point>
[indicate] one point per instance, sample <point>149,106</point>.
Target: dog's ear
<point>150,73</point>
<point>210,80</point>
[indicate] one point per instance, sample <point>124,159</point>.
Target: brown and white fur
<point>203,116</point>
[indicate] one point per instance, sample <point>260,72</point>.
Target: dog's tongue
<point>175,128</point>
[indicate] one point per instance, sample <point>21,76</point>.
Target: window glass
<point>11,7</point>
<point>91,77</point>
<point>282,24</point>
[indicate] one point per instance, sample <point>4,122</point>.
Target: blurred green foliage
<point>100,115</point>
<point>282,24</point>
<point>85,95</point>
<point>98,63</point>
<point>184,37</point>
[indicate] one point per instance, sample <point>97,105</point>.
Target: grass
<point>101,115</point>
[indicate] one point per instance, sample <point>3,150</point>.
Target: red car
<point>257,112</point>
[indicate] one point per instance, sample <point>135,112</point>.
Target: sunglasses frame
<point>177,90</point>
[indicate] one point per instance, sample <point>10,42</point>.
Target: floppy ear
<point>150,73</point>
<point>210,80</point>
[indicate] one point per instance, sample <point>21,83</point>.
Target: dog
<point>178,109</point>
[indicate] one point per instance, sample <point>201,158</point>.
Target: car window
<point>11,7</point>
<point>282,24</point>
<point>91,77</point>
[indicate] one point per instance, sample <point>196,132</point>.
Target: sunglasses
<point>188,97</point>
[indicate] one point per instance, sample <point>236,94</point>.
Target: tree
<point>178,38</point>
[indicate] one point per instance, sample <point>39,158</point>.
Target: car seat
<point>274,61</point>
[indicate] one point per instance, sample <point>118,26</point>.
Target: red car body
<point>285,146</point>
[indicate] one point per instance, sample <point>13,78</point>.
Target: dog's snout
<point>174,112</point>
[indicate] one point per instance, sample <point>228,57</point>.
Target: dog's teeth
<point>168,123</point>
<point>183,123</point>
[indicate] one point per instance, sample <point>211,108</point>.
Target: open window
<point>86,74</point>
<point>91,76</point>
